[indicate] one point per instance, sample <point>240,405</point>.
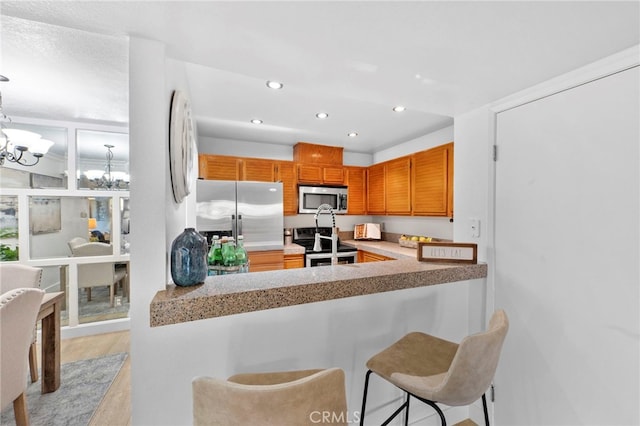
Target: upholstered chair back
<point>15,275</point>
<point>18,312</point>
<point>298,398</point>
<point>471,370</point>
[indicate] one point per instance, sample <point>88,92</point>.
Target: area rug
<point>83,384</point>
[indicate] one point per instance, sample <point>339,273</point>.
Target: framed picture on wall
<point>45,215</point>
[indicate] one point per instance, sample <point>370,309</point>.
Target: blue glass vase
<point>189,258</point>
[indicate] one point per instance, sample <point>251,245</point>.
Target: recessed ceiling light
<point>352,134</point>
<point>256,121</point>
<point>274,85</point>
<point>322,115</point>
<point>399,108</point>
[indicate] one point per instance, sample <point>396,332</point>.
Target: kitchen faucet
<point>317,246</point>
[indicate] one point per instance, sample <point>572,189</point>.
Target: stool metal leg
<point>486,412</point>
<point>364,396</point>
<point>406,414</point>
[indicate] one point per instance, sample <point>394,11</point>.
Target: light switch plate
<point>474,227</point>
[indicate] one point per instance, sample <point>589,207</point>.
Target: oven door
<point>323,259</point>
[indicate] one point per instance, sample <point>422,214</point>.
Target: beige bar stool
<point>293,398</point>
<point>435,370</point>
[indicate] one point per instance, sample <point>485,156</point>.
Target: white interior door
<point>567,256</point>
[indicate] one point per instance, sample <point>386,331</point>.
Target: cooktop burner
<point>306,238</point>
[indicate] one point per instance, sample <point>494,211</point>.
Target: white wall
<point>439,137</point>
<point>150,207</point>
<point>472,183</point>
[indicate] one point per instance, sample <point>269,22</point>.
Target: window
<point>43,213</point>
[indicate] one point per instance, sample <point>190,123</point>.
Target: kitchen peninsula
<point>234,294</point>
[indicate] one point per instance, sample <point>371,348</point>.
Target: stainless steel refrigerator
<point>251,209</point>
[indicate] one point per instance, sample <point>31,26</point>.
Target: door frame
<point>622,61</point>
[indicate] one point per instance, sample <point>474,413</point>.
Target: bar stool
<point>292,398</point>
<point>435,370</point>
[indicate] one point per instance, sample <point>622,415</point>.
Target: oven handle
<point>311,256</point>
<point>328,255</point>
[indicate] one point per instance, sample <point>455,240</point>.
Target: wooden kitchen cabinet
<point>389,187</point>
<point>398,186</point>
<point>367,256</point>
<point>219,167</point>
<point>269,260</point>
<point>333,175</point>
<point>356,180</point>
<point>323,175</point>
<point>432,182</point>
<point>293,261</point>
<point>308,173</point>
<point>308,153</point>
<point>285,172</point>
<point>376,189</point>
<point>420,184</point>
<point>319,164</point>
<point>258,169</point>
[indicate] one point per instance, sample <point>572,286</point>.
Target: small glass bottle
<point>242,260</point>
<point>229,253</point>
<point>211,257</point>
<point>223,246</point>
<point>217,254</point>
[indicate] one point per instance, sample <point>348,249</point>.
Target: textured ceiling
<point>354,60</point>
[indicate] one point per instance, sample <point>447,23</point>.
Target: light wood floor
<point>115,408</point>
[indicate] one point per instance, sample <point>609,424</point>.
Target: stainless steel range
<point>306,238</point>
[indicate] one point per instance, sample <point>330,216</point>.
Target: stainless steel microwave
<point>312,197</point>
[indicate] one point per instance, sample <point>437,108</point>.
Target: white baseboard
<point>90,329</point>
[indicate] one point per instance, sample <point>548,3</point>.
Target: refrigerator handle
<point>233,226</point>
<point>239,226</point>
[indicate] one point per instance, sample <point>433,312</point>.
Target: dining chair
<point>98,274</point>
<point>76,241</point>
<point>16,275</point>
<point>290,398</point>
<point>18,313</point>
<point>434,370</point>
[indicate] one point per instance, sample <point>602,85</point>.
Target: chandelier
<point>107,178</point>
<point>16,143</point>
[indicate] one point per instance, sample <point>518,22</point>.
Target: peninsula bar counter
<point>240,293</point>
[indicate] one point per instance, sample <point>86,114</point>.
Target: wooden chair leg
<point>88,294</point>
<point>20,410</point>
<point>33,362</point>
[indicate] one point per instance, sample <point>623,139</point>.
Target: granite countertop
<point>234,294</point>
<point>292,248</point>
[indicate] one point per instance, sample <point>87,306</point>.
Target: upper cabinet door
<point>398,186</point>
<point>258,169</point>
<point>219,167</point>
<point>376,189</point>
<point>333,175</point>
<point>286,173</point>
<point>356,181</point>
<point>309,173</point>
<point>432,181</point>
